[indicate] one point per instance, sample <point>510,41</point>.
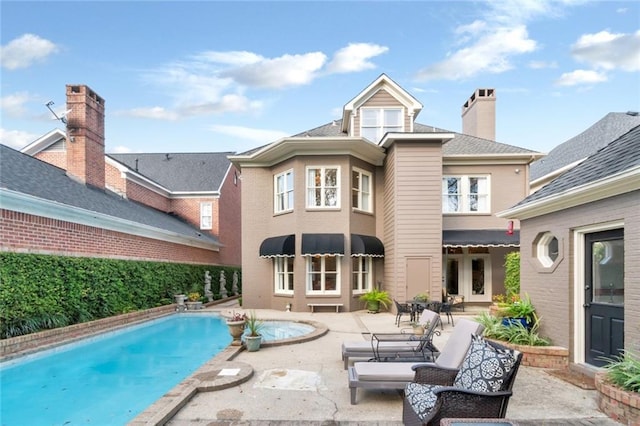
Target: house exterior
<point>580,252</point>
<point>63,195</point>
<point>377,200</point>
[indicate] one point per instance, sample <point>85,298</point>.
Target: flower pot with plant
<point>521,311</point>
<point>374,298</point>
<point>193,301</point>
<point>253,338</point>
<point>236,324</point>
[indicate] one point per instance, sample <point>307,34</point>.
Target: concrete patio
<point>305,383</point>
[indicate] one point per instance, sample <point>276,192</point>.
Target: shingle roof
<point>191,172</point>
<point>618,156</point>
<point>27,175</point>
<point>461,144</point>
<point>609,128</point>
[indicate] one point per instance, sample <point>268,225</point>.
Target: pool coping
<point>207,378</point>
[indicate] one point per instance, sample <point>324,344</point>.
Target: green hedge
<point>39,292</point>
<point>512,274</point>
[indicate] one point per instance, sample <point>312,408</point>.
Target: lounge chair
<point>410,345</point>
<point>481,388</point>
<point>395,375</point>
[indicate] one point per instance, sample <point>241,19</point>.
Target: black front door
<point>604,295</point>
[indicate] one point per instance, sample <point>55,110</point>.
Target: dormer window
<point>376,122</point>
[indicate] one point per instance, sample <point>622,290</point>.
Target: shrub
<point>514,333</point>
<point>39,292</point>
<point>512,273</point>
<point>624,371</point>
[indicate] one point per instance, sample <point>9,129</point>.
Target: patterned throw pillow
<point>484,368</point>
<point>421,398</point>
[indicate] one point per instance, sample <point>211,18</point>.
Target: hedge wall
<point>39,291</point>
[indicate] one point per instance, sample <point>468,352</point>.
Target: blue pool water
<point>279,330</point>
<point>110,379</point>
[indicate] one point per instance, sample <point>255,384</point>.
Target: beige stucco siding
<point>413,215</point>
<point>552,290</point>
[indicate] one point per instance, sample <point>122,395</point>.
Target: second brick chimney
<point>85,135</point>
<point>479,114</point>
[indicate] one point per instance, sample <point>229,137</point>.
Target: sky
<point>213,76</point>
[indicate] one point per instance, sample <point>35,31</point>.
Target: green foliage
<point>522,308</point>
<point>375,295</point>
<point>253,324</point>
<point>421,297</point>
<point>39,292</point>
<point>512,273</point>
<point>515,333</point>
<point>624,371</point>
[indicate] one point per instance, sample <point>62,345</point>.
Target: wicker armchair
<point>473,391</point>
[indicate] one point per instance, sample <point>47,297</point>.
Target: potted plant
<point>194,301</point>
<point>522,311</point>
<point>236,324</point>
<point>374,298</point>
<point>253,338</point>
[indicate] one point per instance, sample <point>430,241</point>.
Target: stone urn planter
<point>620,405</point>
<point>252,343</point>
<point>236,329</point>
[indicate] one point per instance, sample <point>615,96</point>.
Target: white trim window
<point>206,215</point>
<point>362,279</point>
<point>465,194</point>
<point>283,192</point>
<point>361,184</point>
<point>323,275</point>
<point>323,188</point>
<point>283,271</point>
<point>376,122</point>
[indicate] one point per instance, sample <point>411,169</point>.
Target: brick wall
<point>229,219</point>
<point>23,232</point>
<point>136,192</point>
<point>113,179</point>
<point>189,209</point>
<point>57,158</point>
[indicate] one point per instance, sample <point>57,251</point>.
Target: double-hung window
<point>323,189</point>
<point>283,270</point>
<point>283,191</point>
<point>361,266</point>
<point>206,215</point>
<point>465,194</point>
<point>376,122</point>
<point>361,190</point>
<point>323,275</point>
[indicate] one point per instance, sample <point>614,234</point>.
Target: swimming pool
<point>109,379</point>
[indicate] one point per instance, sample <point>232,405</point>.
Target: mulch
<point>576,378</point>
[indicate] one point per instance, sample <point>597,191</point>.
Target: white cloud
<point>580,77</point>
<point>278,73</point>
<point>609,51</point>
<point>227,103</point>
<point>16,139</point>
<point>355,57</point>
<point>155,113</point>
<point>247,133</point>
<point>236,58</point>
<point>121,149</point>
<point>536,65</point>
<point>25,51</point>
<point>490,53</point>
<point>14,105</point>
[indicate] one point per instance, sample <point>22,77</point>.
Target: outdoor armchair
<point>481,388</point>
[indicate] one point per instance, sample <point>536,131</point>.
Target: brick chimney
<point>479,114</point>
<point>85,134</point>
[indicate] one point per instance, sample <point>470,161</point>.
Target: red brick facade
<point>27,233</point>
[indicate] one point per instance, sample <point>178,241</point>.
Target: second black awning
<point>282,246</point>
<point>480,238</point>
<point>323,244</point>
<point>365,245</point>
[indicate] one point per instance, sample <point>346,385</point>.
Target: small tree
<point>512,274</point>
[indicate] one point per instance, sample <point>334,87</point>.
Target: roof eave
<point>620,183</point>
<point>291,147</point>
<point>43,142</point>
<point>496,158</point>
<point>391,138</point>
<point>23,203</point>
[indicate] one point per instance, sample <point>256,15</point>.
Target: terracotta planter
<point>620,405</point>
<point>236,328</point>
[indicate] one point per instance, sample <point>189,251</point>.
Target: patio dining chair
<point>401,309</point>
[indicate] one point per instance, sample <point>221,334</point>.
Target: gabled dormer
<point>380,108</point>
